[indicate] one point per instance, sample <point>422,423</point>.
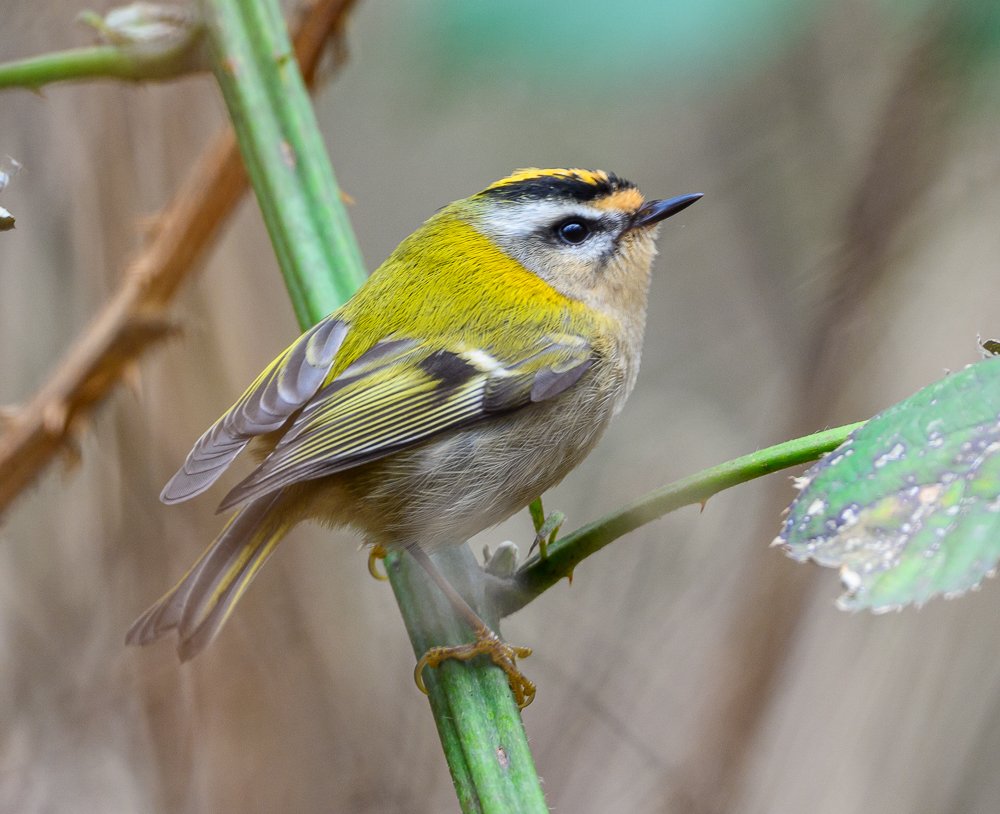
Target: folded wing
<point>399,394</point>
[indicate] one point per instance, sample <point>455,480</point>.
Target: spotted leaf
<point>909,506</point>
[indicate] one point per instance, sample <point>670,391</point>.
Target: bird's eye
<point>573,232</point>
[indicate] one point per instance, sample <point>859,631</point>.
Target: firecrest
<point>470,373</point>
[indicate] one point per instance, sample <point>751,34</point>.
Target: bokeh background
<point>845,255</point>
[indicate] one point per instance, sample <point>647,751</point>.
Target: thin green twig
<point>285,157</point>
<point>126,62</point>
<point>538,574</point>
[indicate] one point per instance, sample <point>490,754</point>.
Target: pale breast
<point>444,491</point>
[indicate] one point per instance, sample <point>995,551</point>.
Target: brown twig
<point>137,316</point>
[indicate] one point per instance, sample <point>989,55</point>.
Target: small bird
<point>470,373</point>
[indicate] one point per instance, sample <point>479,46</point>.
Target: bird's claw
<point>377,553</point>
<point>487,643</point>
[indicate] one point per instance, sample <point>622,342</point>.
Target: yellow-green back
<point>447,283</point>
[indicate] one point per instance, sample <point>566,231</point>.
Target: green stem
<point>285,157</point>
<point>479,724</point>
<point>130,63</point>
<point>478,721</point>
<point>537,575</point>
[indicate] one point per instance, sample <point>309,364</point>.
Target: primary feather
<point>202,601</point>
<point>285,386</point>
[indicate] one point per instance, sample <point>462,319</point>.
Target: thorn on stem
<point>72,454</point>
<point>55,417</point>
<point>8,416</point>
<point>149,226</point>
<point>132,377</point>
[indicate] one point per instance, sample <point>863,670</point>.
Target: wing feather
<point>387,401</point>
<point>284,387</point>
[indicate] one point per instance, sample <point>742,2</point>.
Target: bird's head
<point>589,234</point>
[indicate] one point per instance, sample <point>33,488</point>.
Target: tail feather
<point>200,603</point>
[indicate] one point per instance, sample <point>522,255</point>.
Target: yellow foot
<point>487,643</point>
<point>377,553</point>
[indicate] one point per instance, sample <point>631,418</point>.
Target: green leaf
<point>907,507</point>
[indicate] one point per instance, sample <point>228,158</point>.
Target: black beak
<point>653,212</point>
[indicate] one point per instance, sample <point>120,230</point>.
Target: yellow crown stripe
<point>594,177</point>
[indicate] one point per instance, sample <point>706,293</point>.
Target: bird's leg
<point>487,642</point>
<point>377,553</point>
<point>546,528</point>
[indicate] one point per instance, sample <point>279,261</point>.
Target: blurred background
<point>845,255</point>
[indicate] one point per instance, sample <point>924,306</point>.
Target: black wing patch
<point>403,398</point>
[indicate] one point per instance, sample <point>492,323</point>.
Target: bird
<point>470,373</point>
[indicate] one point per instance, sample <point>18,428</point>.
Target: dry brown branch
<point>137,317</point>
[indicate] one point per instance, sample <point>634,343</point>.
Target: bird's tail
<point>201,602</point>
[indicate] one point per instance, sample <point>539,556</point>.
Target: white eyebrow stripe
<point>526,217</point>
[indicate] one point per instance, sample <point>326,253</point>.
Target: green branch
<point>98,62</point>
<point>147,44</point>
<point>285,157</point>
<point>537,575</point>
<point>478,722</point>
